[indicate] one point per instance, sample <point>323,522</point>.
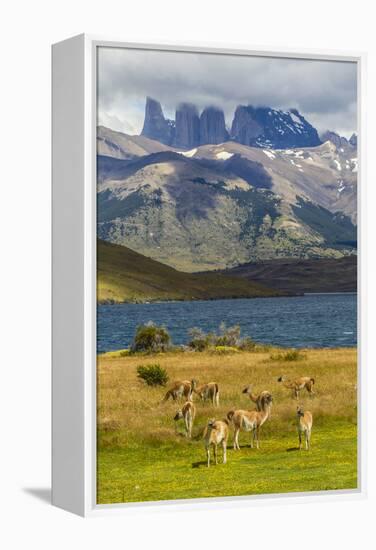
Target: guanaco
<point>209,391</point>
<point>298,384</point>
<point>188,412</point>
<point>181,388</point>
<point>259,399</point>
<point>250,421</point>
<point>216,433</point>
<point>305,420</point>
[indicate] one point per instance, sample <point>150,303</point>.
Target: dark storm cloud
<point>323,91</point>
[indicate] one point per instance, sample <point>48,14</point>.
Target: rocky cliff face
<point>271,128</point>
<point>336,139</point>
<point>354,140</point>
<point>212,126</point>
<point>155,125</point>
<point>187,126</point>
<point>244,128</point>
<point>256,127</point>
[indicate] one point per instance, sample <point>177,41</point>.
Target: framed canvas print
<point>206,296</point>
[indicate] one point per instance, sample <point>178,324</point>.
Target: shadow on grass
<point>291,449</point>
<point>199,464</point>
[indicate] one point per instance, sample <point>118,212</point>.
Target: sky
<point>324,92</point>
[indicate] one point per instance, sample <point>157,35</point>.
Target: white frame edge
<point>74,280</point>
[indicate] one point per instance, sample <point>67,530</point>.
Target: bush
<point>228,336</point>
<point>227,339</point>
<point>150,338</point>
<point>247,344</point>
<point>199,340</point>
<point>291,355</point>
<point>153,375</point>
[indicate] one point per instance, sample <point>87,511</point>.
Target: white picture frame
<point>74,277</point>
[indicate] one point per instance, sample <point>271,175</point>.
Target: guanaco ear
<point>280,379</point>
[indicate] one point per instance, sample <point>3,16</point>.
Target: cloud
<point>325,92</point>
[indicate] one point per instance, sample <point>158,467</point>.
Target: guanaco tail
<point>298,384</point>
<point>216,433</point>
<point>209,391</point>
<point>261,399</point>
<point>188,412</point>
<point>250,421</point>
<point>181,388</point>
<point>304,421</point>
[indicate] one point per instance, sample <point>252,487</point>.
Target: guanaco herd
<point>217,431</point>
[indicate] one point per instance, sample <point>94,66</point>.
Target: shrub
<point>247,344</point>
<point>124,352</point>
<point>199,340</point>
<point>228,336</point>
<point>291,355</point>
<point>150,338</point>
<point>153,375</point>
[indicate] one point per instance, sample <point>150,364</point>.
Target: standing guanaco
<point>259,399</point>
<point>305,420</point>
<point>188,412</point>
<point>249,421</point>
<point>209,391</point>
<point>298,384</point>
<point>216,433</point>
<point>181,388</point>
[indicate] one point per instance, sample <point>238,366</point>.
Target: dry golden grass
<point>137,413</point>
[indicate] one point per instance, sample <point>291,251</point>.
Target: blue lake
<point>313,320</point>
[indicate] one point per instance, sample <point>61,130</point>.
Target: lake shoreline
<point>319,321</point>
<point>176,300</point>
<point>260,348</point>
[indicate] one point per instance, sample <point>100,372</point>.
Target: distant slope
<point>126,276</point>
<point>290,275</point>
<point>123,146</point>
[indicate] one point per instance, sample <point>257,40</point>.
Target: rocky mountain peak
<point>353,140</point>
<point>336,139</point>
<point>187,126</point>
<point>245,129</point>
<point>271,128</point>
<point>253,126</point>
<point>212,126</point>
<point>155,125</point>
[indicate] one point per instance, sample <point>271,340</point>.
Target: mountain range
<point>218,205</point>
<point>253,126</point>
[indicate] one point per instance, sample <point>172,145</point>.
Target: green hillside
<point>126,276</point>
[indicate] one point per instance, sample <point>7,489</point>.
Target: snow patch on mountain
<point>188,154</point>
<point>224,155</point>
<point>269,154</point>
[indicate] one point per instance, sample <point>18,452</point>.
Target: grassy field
<point>126,276</point>
<point>142,455</point>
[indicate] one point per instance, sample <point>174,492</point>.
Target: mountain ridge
<point>304,276</point>
<point>127,276</point>
<point>253,126</point>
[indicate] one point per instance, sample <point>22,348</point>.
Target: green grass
<point>126,276</point>
<point>143,455</point>
<point>167,471</point>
